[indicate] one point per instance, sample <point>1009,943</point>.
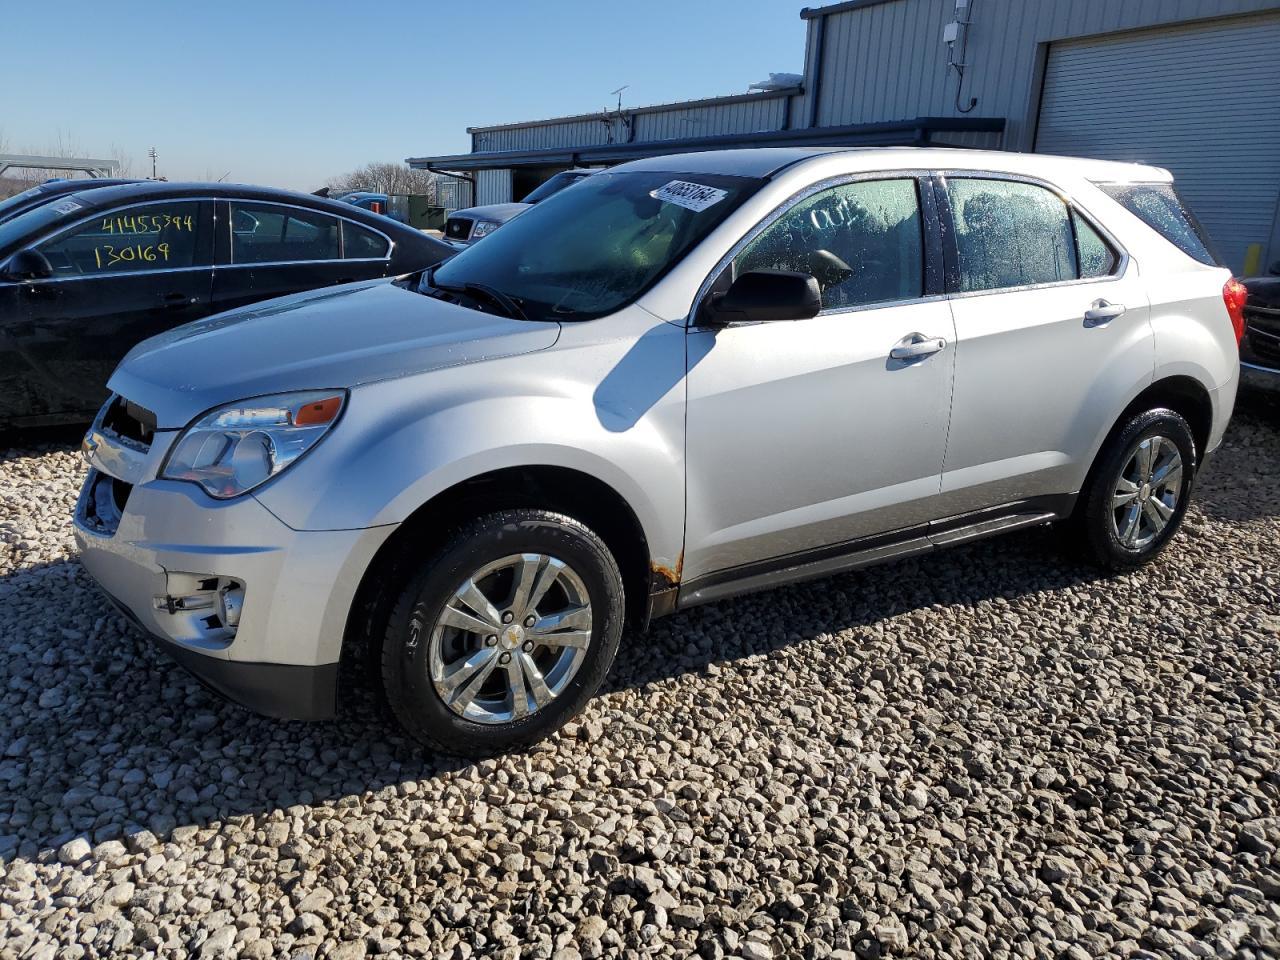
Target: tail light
<point>1235,294</point>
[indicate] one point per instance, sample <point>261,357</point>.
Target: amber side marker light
<point>317,413</point>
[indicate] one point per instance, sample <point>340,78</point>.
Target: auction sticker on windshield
<point>691,196</point>
<point>67,206</point>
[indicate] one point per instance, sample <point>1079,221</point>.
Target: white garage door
<point>1200,99</point>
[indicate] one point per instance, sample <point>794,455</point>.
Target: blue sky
<point>288,94</point>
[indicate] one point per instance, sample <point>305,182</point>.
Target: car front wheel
<point>1138,491</point>
<point>504,634</point>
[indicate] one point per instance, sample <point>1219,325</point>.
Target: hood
<point>337,337</point>
<point>500,212</point>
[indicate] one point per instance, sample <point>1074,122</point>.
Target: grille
<point>129,421</point>
<point>457,228</point>
<point>1262,335</point>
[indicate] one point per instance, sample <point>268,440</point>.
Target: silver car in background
<point>464,227</point>
<point>686,378</point>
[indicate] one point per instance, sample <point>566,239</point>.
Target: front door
<point>119,277</point>
<point>808,435</point>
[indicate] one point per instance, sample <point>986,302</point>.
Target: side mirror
<point>28,265</point>
<point>1274,269</point>
<point>765,295</point>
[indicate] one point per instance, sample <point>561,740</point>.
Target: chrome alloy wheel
<point>510,638</point>
<point>1145,496</point>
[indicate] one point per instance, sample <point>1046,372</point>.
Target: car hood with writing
<point>337,337</point>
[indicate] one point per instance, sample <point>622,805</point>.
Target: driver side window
<point>861,240</point>
<point>166,235</point>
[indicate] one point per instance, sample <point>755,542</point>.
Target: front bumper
<point>254,608</point>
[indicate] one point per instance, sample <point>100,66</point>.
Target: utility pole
<point>152,154</point>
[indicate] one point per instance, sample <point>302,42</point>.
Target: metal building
<point>1192,85</point>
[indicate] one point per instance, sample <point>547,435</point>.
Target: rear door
<point>1052,334</point>
<point>272,249</point>
<point>119,277</point>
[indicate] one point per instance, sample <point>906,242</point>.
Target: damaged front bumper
<point>254,608</point>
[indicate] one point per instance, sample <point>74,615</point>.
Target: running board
<point>985,528</point>
<point>796,569</point>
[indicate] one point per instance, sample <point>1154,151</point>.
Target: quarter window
<point>154,236</point>
<point>266,233</point>
<point>861,240</point>
<point>1095,257</point>
<point>1159,207</point>
<point>361,244</point>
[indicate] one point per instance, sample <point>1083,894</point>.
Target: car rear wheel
<point>1138,491</point>
<point>504,634</point>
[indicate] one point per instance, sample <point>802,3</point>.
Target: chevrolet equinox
<point>686,378</point>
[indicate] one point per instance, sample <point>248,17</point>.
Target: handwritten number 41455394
<point>147,224</point>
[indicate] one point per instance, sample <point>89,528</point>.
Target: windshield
<point>26,228</point>
<point>553,186</point>
<point>591,250</point>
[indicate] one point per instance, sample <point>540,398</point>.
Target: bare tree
<point>124,161</point>
<point>386,178</point>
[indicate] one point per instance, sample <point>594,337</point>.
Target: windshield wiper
<point>508,303</point>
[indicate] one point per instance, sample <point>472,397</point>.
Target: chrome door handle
<point>916,345</point>
<point>1100,313</point>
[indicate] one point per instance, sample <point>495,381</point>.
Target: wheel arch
<point>1185,396</point>
<point>560,489</point>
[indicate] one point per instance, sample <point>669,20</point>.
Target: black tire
<point>1092,526</point>
<point>406,671</point>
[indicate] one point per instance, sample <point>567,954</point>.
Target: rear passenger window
<point>266,233</point>
<point>1159,207</point>
<point>1096,258</point>
<point>361,244</point>
<point>1010,234</point>
<point>860,240</point>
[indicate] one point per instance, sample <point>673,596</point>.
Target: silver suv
<point>685,378</point>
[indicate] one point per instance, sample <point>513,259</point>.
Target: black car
<point>86,276</point>
<point>1260,347</point>
<point>51,190</point>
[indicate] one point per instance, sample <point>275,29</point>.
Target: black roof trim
<point>813,13</point>
<point>915,132</point>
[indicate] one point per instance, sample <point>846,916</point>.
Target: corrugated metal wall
<point>887,61</point>
<point>493,186</point>
<point>748,116</point>
<point>1161,96</point>
<point>453,194</point>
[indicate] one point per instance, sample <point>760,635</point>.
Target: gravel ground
<point>914,760</point>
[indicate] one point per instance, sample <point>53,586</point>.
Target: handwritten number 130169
<point>108,255</point>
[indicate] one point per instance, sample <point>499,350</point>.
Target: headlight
<point>234,448</point>
<point>483,228</point>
